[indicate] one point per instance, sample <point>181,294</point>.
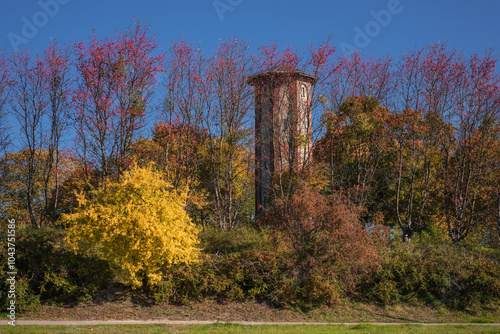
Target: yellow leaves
<point>139,224</point>
<point>80,197</point>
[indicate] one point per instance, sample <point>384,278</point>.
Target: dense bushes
<point>324,240</point>
<point>244,264</point>
<point>458,276</point>
<point>451,275</point>
<point>253,264</point>
<point>244,238</point>
<point>238,264</point>
<point>312,251</point>
<point>308,251</point>
<point>137,223</point>
<point>240,276</point>
<point>250,275</point>
<point>47,272</point>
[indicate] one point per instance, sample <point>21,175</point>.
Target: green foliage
<point>26,299</point>
<point>355,154</point>
<point>247,275</point>
<point>239,239</point>
<point>231,328</point>
<point>456,276</point>
<point>253,267</point>
<point>49,273</point>
<point>239,276</point>
<point>321,287</point>
<point>238,265</point>
<point>137,224</point>
<point>226,175</point>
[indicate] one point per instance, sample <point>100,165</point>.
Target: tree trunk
<point>407,234</point>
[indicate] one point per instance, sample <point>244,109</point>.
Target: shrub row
<point>47,273</point>
<point>244,264</point>
<point>249,275</point>
<point>458,276</point>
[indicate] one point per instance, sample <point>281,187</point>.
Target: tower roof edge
<point>281,70</point>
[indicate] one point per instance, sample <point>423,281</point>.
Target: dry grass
<point>132,308</point>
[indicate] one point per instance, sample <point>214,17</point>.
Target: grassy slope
<point>128,307</point>
<point>233,328</point>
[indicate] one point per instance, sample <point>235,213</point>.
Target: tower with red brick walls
<point>282,125</point>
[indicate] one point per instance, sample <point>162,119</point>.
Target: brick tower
<point>282,125</point>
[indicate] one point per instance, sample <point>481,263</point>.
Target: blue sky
<point>378,27</point>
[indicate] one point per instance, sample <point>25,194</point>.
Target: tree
<point>5,83</point>
<point>414,144</point>
<point>58,81</point>
<point>96,116</point>
<point>469,165</point>
<point>227,124</point>
<point>116,76</point>
<point>422,131</point>
<point>205,105</point>
<point>322,231</point>
<point>14,185</point>
<point>355,151</point>
<point>185,92</point>
<point>28,104</point>
<point>496,184</point>
<point>228,184</point>
<point>444,127</point>
<point>180,155</point>
<point>138,224</point>
<point>181,152</point>
<point>139,67</point>
<point>40,103</point>
<point>182,134</point>
<point>357,76</point>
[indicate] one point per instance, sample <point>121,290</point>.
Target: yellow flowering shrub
<point>137,224</point>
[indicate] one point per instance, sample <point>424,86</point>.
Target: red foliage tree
<point>28,103</point>
<point>40,102</point>
<point>470,164</point>
<point>59,90</point>
<point>229,127</point>
<point>116,77</point>
<point>184,90</point>
<point>322,234</point>
<point>5,83</point>
<point>357,76</point>
<point>209,96</point>
<point>445,120</point>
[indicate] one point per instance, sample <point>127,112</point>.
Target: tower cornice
<point>281,70</point>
